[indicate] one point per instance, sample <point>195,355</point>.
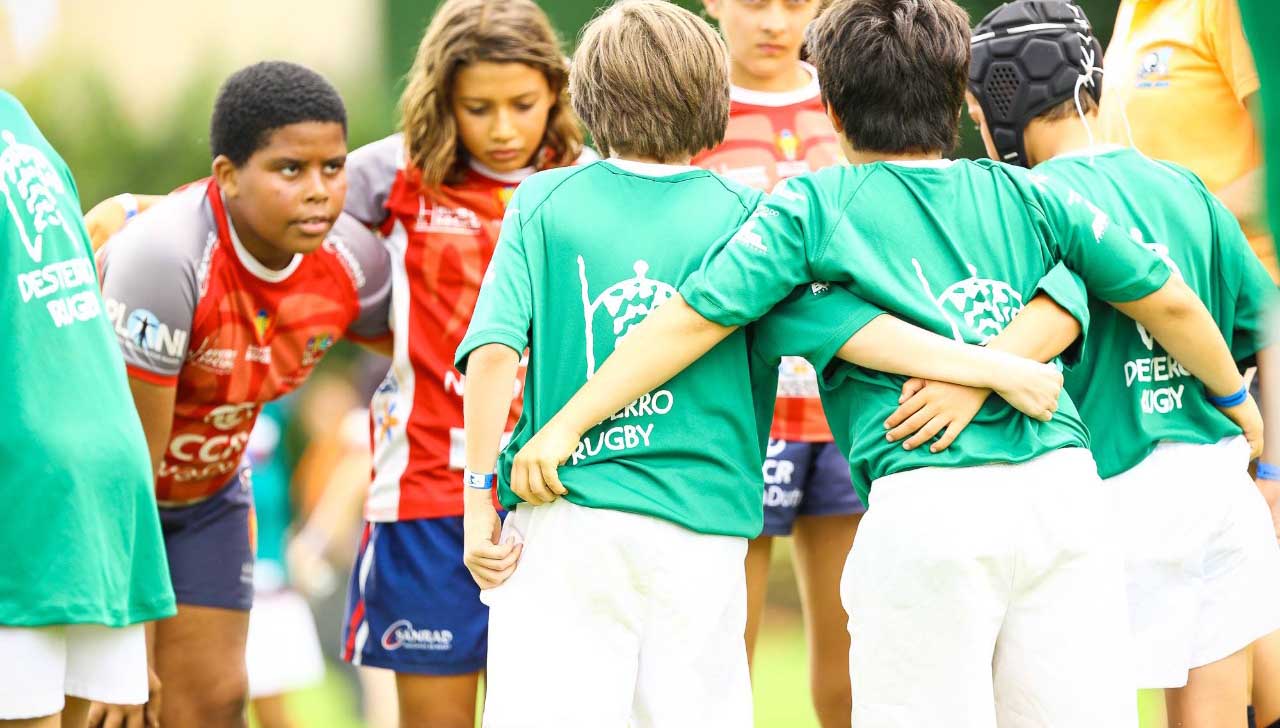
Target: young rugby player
<point>1202,560</point>
<point>259,283</point>
<point>664,493</point>
<point>485,107</point>
<point>778,129</point>
<point>84,556</point>
<point>984,586</point>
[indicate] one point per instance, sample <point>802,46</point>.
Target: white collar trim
<point>513,177</point>
<point>779,98</point>
<point>650,169</point>
<point>252,264</point>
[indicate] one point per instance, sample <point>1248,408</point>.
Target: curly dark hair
<point>266,96</point>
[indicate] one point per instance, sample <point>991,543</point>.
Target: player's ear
<point>712,7</point>
<point>831,115</point>
<point>226,175</point>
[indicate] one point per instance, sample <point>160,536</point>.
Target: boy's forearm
<point>657,349</point>
<point>1179,321</point>
<point>888,344</point>
<point>491,377</point>
<point>1269,380</point>
<point>1041,331</point>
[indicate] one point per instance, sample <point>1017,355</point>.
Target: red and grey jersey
<point>440,243</point>
<point>770,137</point>
<point>193,309</point>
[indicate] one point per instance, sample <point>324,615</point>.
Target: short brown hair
<point>893,71</point>
<point>1067,109</point>
<point>651,79</point>
<point>468,31</point>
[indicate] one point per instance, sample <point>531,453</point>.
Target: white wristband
<point>478,481</point>
<point>130,205</point>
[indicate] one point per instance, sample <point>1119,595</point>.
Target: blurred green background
<point>94,120</point>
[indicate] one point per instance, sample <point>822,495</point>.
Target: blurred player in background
<point>778,129</point>
<point>282,653</point>
<point>484,107</point>
<point>85,563</point>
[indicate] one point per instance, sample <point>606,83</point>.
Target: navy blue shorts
<point>210,547</point>
<point>805,479</point>
<point>412,605</point>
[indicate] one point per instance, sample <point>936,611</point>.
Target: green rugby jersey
<point>1131,394</point>
<point>82,536</point>
<point>585,254</point>
<point>955,247</point>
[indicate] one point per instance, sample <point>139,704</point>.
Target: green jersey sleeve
<point>504,309</point>
<point>1066,289</point>
<point>747,273</point>
<point>1113,266</point>
<point>813,322</point>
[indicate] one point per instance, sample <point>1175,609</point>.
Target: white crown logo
<point>626,302</point>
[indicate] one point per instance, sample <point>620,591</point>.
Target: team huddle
<point>743,312</point>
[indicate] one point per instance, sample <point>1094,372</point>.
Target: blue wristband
<point>479,481</point>
<point>1267,471</point>
<point>1231,400</point>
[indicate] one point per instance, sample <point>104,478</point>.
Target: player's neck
<point>864,156</point>
<point>262,251</point>
<point>673,162</point>
<point>1045,140</point>
<point>795,77</point>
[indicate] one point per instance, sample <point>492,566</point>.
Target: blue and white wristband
<point>1267,471</point>
<point>1231,400</point>
<point>479,481</point>
<point>130,205</point>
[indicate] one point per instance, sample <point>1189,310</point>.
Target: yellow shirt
<point>1181,71</point>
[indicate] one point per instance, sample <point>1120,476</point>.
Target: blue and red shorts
<point>805,479</point>
<point>412,605</point>
<point>210,547</point>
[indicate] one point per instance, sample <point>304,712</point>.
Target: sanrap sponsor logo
<point>402,633</point>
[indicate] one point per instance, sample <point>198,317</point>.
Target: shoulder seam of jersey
<point>826,239</point>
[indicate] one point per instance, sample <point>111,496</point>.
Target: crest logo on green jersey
<point>984,305</point>
<point>29,183</point>
<point>625,304</point>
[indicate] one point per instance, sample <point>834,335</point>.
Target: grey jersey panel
<point>371,170</point>
<point>151,277</point>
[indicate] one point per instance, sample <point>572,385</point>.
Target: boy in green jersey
<point>1202,562</point>
<point>984,586</point>
<point>641,559</point>
<point>85,564</point>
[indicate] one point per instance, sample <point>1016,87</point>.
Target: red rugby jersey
<point>193,309</point>
<point>772,136</point>
<point>440,243</point>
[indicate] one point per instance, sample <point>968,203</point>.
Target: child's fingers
<point>540,494</point>
<point>949,436</point>
<point>551,476</point>
<point>906,409</point>
<point>519,481</point>
<point>489,554</point>
<point>913,423</point>
<point>926,433</point>
<point>910,388</point>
